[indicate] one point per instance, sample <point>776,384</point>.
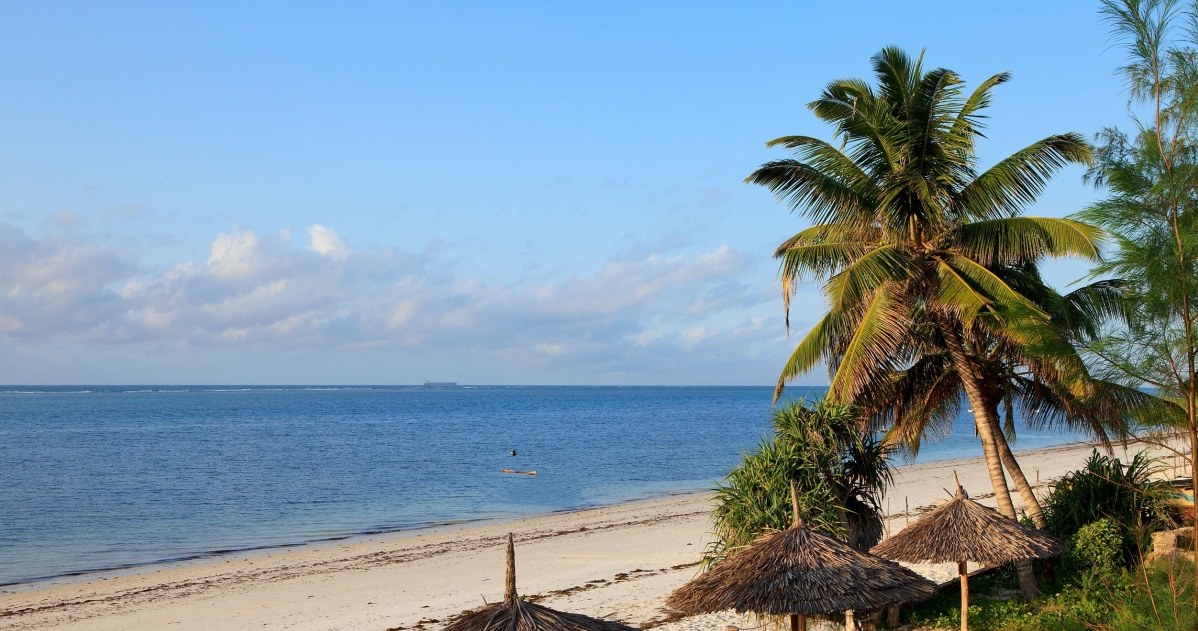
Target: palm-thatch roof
<point>514,614</point>
<point>798,571</point>
<point>963,530</point>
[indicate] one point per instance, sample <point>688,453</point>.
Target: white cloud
<point>326,241</point>
<point>234,255</point>
<point>58,285</point>
<point>624,317</point>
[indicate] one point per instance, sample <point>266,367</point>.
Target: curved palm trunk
<point>985,422</point>
<point>1031,503</point>
<point>971,383</point>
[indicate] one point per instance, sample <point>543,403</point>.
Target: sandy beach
<point>617,562</point>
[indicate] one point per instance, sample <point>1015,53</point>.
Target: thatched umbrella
<point>962,530</point>
<point>514,614</point>
<point>799,572</point>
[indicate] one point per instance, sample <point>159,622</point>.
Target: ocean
<point>99,478</point>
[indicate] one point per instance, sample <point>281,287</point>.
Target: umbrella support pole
<point>798,622</point>
<point>963,569</point>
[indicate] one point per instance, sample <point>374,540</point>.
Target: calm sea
<point>105,477</point>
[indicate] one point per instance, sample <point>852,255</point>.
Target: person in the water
<point>513,453</point>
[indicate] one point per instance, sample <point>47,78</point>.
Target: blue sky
<point>523,193</point>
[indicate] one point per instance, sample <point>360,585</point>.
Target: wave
<point>47,391</point>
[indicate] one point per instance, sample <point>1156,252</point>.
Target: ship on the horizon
<point>440,384</point>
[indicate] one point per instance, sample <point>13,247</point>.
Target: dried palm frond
<point>799,571</point>
<point>963,530</point>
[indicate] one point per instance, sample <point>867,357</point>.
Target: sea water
<point>95,478</point>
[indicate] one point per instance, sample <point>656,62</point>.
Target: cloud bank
<point>627,319</point>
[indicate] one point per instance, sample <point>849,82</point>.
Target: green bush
<point>1076,607</point>
<point>1096,548</point>
<point>1105,488</point>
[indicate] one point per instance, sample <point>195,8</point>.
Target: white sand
<point>618,562</point>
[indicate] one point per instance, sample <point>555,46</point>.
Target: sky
<point>488,193</point>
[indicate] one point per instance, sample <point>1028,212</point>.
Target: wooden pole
<point>889,514</point>
<point>509,588</point>
<point>797,622</point>
<point>794,503</point>
<point>964,570</point>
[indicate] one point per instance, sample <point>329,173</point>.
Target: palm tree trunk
<point>977,402</point>
<point>1030,502</point>
<point>985,421</point>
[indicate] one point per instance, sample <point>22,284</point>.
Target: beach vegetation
<point>1047,389</point>
<point>1097,547</point>
<point>840,473</point>
<point>1131,497</point>
<point>923,256</point>
<point>1105,512</point>
<point>1154,596</point>
<point>1150,176</point>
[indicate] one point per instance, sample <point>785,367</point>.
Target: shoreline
<point>617,561</point>
<point>213,556</point>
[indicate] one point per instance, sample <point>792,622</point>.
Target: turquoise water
<point>109,477</point>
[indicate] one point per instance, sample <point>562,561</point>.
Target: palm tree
<point>907,233</point>
<point>1052,386</point>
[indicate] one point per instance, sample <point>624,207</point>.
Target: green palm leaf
<point>968,288</point>
<point>1016,181</point>
<point>813,348</point>
<point>968,121</point>
<point>1021,240</point>
<point>819,259</point>
<point>860,279</point>
<point>880,333</point>
<point>813,194</point>
<point>826,159</point>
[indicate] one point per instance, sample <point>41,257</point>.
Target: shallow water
<point>107,477</point>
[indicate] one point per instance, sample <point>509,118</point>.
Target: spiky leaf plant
<point>841,473</point>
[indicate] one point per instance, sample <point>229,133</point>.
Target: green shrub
<point>1105,488</point>
<point>1076,607</point>
<point>1096,548</point>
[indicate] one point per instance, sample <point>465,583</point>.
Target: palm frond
<point>826,159</point>
<point>874,344</point>
<point>968,288</point>
<point>968,122</point>
<point>819,196</point>
<point>1006,188</point>
<point>1086,308</point>
<point>818,260</point>
<point>817,345</point>
<point>864,275</point>
<point>1024,240</point>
